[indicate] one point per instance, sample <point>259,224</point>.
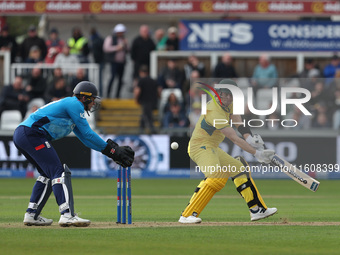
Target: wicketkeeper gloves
<point>122,155</point>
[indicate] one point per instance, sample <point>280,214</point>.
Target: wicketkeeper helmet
<point>88,90</point>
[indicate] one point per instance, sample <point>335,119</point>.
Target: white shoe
<point>190,219</point>
<point>67,220</point>
<point>40,221</point>
<point>262,213</point>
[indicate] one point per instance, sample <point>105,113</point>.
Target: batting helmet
<point>228,82</point>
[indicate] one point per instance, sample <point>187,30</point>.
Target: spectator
<point>320,108</point>
<point>79,45</point>
<point>8,43</point>
<point>194,114</point>
<point>171,76</point>
<point>264,75</point>
<point>291,109</point>
<point>13,97</point>
<point>57,74</point>
<point>54,46</point>
<point>319,95</point>
<point>32,40</point>
<point>195,94</point>
<point>141,47</point>
<point>310,70</point>
<point>146,94</point>
<point>175,118</point>
<point>331,69</point>
<point>303,121</point>
<point>225,68</point>
<point>116,49</point>
<point>194,64</point>
<point>57,91</point>
<point>96,46</point>
<point>336,115</point>
<point>172,99</point>
<point>172,43</point>
<point>160,39</point>
<point>194,76</point>
<point>309,74</point>
<point>321,121</point>
<point>80,76</point>
<point>34,55</point>
<point>36,86</point>
<point>65,58</point>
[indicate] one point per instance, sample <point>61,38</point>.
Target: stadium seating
<point>121,116</point>
<point>10,119</point>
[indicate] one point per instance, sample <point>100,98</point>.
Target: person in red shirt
<point>54,46</point>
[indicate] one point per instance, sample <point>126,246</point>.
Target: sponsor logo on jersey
<point>48,144</point>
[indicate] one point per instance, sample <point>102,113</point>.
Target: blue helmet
<point>88,90</point>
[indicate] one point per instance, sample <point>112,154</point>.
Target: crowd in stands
<point>171,93</point>
<point>324,85</point>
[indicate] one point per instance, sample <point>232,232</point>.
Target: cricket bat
<point>295,173</point>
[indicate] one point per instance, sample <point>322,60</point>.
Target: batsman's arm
<point>244,130</point>
<point>267,156</point>
<point>254,140</point>
<point>263,156</point>
<point>232,136</point>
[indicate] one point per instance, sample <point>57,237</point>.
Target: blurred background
<point>145,57</point>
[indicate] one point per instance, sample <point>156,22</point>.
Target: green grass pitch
<point>306,222</point>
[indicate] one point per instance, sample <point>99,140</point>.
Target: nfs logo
<point>239,33</point>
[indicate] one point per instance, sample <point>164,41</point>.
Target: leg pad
<point>206,190</point>
<point>246,187</point>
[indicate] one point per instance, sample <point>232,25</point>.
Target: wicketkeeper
<point>51,122</point>
<point>204,150</point>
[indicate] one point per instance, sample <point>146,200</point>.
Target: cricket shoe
<point>40,221</point>
<point>189,220</point>
<point>67,220</point>
<point>261,213</point>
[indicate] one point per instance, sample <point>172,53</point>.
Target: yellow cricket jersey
<point>207,130</point>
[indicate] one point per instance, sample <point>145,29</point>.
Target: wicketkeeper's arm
<point>122,155</point>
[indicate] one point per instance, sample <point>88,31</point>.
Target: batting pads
<point>44,184</point>
<point>203,194</point>
<point>65,181</point>
<point>245,185</point>
<point>209,186</point>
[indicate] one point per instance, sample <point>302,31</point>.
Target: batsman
<point>55,121</point>
<point>217,165</point>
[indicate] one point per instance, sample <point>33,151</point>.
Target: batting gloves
<point>264,156</point>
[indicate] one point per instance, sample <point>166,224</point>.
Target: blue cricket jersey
<point>61,117</point>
